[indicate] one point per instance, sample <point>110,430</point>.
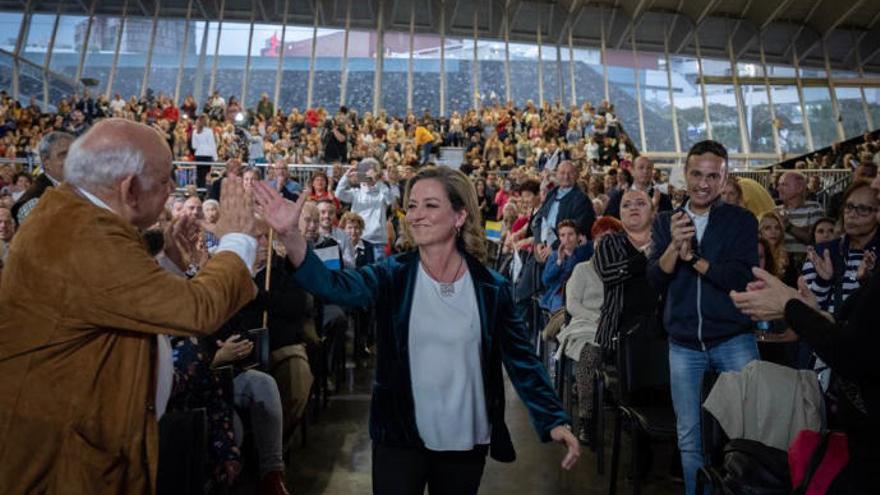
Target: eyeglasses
<point>860,210</point>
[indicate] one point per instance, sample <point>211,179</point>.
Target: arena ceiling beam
<point>634,9</point>
<point>696,14</point>
<point>803,27</point>
<point>829,15</point>
<point>857,44</point>
<point>575,10</point>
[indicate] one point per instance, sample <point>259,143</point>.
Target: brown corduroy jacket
<point>81,302</point>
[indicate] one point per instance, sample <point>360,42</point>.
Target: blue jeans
<point>686,367</point>
<point>426,152</point>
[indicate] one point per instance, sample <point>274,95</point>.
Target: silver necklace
<point>446,290</point>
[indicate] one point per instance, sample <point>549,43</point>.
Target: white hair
<point>85,167</point>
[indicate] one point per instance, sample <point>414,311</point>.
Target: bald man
<point>798,214</point>
<point>83,311</point>
<point>643,180</point>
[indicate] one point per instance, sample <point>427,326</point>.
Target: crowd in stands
<point>588,228</point>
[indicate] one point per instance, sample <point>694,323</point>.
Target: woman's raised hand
<point>281,214</point>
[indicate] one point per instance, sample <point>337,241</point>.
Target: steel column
<point>343,80</point>
<point>247,60</point>
<point>310,87</point>
<point>85,46</point>
<point>774,123</point>
<point>800,88</point>
<point>442,58</point>
<point>409,65</point>
<point>703,86</point>
<point>118,47</point>
<point>745,143</point>
<point>216,58</point>
<point>676,137</point>
<point>835,104</point>
<point>183,54</point>
<point>279,70</point>
<point>380,58</point>
<point>149,60</point>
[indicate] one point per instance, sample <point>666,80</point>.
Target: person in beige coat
<point>83,307</point>
<point>584,295</point>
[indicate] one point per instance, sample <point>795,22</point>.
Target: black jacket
<point>290,309</point>
<point>35,191</point>
<point>388,286</point>
<point>850,350</point>
<point>573,206</point>
<point>698,310</point>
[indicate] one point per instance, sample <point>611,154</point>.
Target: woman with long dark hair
<point>438,395</point>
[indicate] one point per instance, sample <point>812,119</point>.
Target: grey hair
<point>211,202</point>
<point>374,164</point>
<point>49,141</point>
<point>105,166</point>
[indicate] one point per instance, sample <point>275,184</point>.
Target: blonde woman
<point>771,229</point>
<point>438,396</point>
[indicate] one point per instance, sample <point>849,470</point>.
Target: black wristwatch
<point>693,261</point>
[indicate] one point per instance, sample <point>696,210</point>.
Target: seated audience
<point>571,251</point>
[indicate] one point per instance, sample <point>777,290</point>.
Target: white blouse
<point>445,363</point>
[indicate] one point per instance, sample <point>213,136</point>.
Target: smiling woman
<point>438,399</point>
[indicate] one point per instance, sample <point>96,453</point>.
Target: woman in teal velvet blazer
<point>443,220</point>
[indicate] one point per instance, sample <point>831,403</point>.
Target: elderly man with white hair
<point>83,306</point>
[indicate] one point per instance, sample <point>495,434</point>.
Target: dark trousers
<point>406,471</point>
<point>203,170</point>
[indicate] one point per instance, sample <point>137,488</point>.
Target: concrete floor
<point>336,458</point>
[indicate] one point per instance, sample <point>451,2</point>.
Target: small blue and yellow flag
<point>493,231</point>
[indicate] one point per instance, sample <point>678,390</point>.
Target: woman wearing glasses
<point>835,269</point>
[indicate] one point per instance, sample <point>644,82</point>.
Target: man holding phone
<point>370,199</point>
<point>700,253</point>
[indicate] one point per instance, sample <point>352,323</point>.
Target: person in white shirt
<point>370,199</point>
<point>117,105</point>
<point>205,149</point>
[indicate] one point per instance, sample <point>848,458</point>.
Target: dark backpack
<point>752,468</point>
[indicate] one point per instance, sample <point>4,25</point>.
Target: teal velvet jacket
<point>388,285</point>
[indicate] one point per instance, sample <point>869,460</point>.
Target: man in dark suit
<point>565,202</point>
<point>53,150</point>
<point>643,180</point>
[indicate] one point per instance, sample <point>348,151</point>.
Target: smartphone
<point>695,245</point>
<point>259,356</point>
<point>681,209</point>
<point>362,169</point>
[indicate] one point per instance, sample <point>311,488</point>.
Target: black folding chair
<point>643,395</point>
<point>604,381</point>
